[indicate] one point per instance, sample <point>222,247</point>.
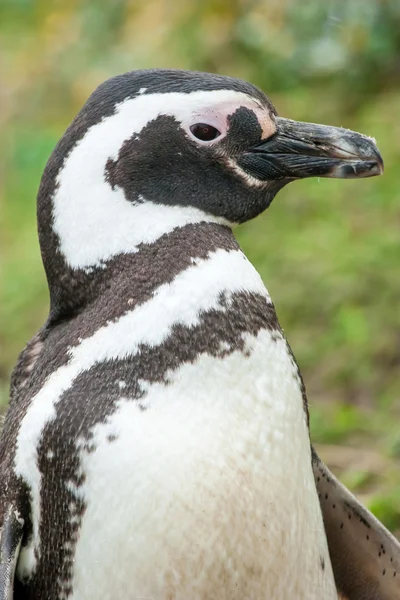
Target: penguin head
<point>157,149</point>
<point>217,145</point>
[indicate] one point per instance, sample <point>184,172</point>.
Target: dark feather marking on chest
<point>127,281</point>
<point>102,294</point>
<point>92,399</point>
<point>130,280</point>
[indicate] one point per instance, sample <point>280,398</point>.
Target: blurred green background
<point>327,250</point>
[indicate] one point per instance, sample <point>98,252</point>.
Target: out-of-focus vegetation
<point>329,251</point>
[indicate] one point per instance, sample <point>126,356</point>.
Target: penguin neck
<point>130,278</point>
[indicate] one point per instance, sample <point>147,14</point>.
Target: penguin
<point>156,444</point>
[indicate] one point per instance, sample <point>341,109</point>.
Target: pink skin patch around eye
<point>268,126</point>
<point>217,116</point>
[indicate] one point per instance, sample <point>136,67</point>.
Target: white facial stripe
<point>249,179</point>
<point>95,222</point>
<point>194,290</point>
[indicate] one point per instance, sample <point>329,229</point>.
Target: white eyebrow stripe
<point>95,222</point>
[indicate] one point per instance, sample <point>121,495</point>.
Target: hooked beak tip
<point>358,156</point>
<point>354,168</point>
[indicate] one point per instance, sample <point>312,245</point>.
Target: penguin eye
<point>204,132</point>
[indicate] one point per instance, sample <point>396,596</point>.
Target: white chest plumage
<point>209,493</point>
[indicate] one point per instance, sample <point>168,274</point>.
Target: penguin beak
<point>300,150</point>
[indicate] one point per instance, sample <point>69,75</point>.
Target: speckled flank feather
<point>365,556</point>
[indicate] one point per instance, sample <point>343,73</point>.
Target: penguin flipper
<point>10,543</point>
<point>365,556</point>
